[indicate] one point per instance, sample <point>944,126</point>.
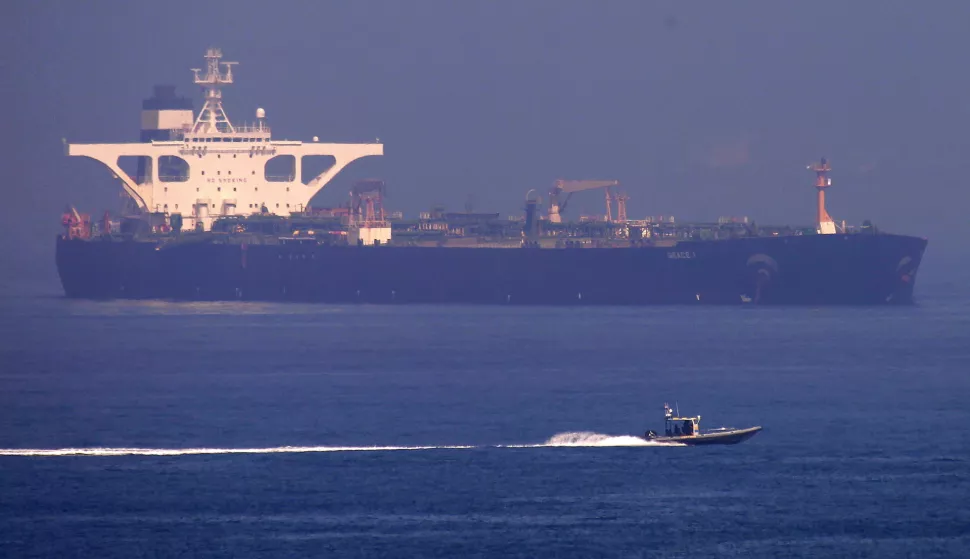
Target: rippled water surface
<point>243,430</point>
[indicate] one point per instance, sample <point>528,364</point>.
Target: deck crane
<point>76,225</point>
<point>557,204</point>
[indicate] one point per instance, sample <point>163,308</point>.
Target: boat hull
<point>858,269</point>
<point>733,436</point>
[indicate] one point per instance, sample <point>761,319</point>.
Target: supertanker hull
<point>855,269</point>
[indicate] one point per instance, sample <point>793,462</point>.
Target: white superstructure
<point>222,169</point>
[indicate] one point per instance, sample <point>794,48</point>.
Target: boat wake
<point>577,439</point>
<point>191,451</point>
<point>587,438</point>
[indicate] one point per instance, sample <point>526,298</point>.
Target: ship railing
<point>262,132</point>
<point>224,138</point>
<point>252,129</point>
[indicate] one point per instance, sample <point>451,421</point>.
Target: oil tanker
<point>222,211</point>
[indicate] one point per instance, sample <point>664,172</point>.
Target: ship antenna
<point>212,117</point>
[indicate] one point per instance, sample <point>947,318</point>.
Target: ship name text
<point>681,255</point>
<point>223,181</point>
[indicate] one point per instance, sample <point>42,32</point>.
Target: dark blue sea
<point>160,429</point>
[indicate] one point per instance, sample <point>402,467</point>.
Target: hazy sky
<point>700,109</point>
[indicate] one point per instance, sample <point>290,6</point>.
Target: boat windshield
<point>682,426</point>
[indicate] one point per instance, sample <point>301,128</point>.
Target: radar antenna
<point>212,118</point>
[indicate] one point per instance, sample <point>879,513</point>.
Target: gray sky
<point>700,109</point>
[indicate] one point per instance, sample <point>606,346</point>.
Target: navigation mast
<point>825,225</point>
<point>212,117</point>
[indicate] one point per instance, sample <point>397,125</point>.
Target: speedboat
<point>686,430</point>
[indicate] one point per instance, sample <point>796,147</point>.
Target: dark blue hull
<point>733,436</point>
<point>858,269</point>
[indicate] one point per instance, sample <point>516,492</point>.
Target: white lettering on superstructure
<point>224,181</point>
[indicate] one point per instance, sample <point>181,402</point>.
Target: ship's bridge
<point>240,134</point>
<point>209,168</point>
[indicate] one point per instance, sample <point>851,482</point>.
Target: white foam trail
<point>572,439</point>
<point>189,451</point>
<point>590,439</point>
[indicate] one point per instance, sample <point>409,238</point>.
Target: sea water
<point>141,428</point>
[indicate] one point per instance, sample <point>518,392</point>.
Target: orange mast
<point>825,225</point>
